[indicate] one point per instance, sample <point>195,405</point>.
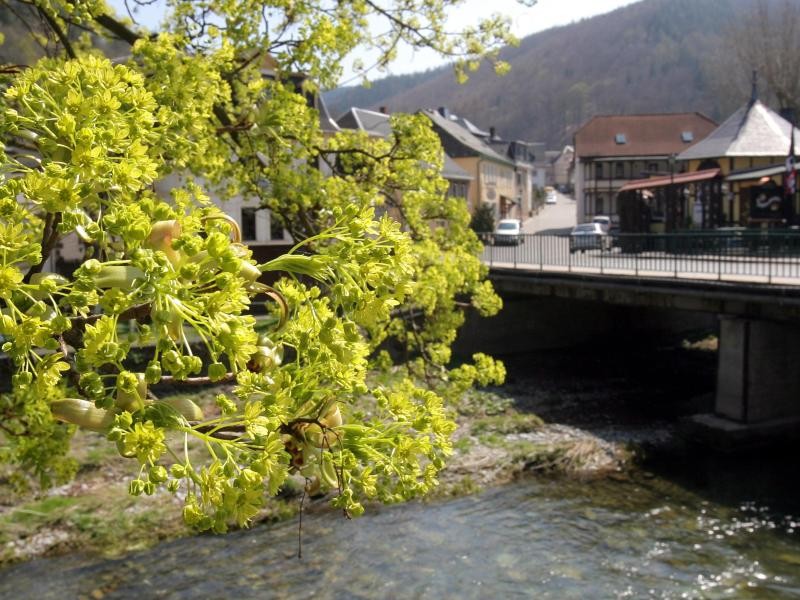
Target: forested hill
<point>24,42</point>
<point>652,56</point>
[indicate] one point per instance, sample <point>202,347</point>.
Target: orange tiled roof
<point>642,135</point>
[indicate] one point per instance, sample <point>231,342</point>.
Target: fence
<point>737,255</point>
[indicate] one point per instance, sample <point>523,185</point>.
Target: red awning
<point>665,180</point>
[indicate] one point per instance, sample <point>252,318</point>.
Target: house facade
<point>563,168</point>
<point>610,151</point>
<point>523,155</point>
<point>493,175</point>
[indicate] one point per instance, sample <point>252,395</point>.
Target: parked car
<point>604,221</point>
<point>589,236</point>
<point>551,198</point>
<point>509,231</point>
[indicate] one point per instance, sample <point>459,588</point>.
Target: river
<point>545,538</point>
<point>689,524</point>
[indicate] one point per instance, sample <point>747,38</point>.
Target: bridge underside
<point>758,375</point>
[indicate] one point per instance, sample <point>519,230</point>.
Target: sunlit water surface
<point>544,539</point>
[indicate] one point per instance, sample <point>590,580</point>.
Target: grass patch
<point>36,514</point>
<point>506,424</point>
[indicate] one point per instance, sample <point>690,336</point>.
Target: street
<point>553,218</point>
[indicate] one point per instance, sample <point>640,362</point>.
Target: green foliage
<point>90,146</point>
<point>483,219</point>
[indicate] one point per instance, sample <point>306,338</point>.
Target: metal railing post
<point>675,255</point>
<point>515,254</point>
<point>569,261</point>
<point>541,253</point>
<point>769,259</point>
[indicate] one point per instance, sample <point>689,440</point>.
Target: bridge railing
<point>735,255</point>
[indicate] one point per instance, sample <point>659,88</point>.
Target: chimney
<point>444,112</point>
<point>383,110</point>
<point>754,90</point>
<point>492,134</point>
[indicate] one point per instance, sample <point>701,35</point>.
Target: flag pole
<point>790,177</point>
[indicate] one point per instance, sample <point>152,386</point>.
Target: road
<point>553,218</point>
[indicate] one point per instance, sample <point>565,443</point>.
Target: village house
<point>541,166</point>
<point>377,124</point>
<point>494,174</point>
<point>749,149</point>
<point>524,157</point>
<point>612,150</point>
<point>550,157</point>
<point>734,178</point>
<point>563,167</point>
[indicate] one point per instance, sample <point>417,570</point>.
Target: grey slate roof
<point>463,138</point>
<point>377,123</point>
<point>753,130</point>
<point>374,123</point>
<point>326,122</point>
<point>473,129</point>
<point>452,171</point>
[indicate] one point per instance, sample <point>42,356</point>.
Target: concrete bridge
<point>748,292</point>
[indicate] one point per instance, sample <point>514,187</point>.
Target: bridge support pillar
<point>758,378</point>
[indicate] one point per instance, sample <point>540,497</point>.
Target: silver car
<point>589,236</point>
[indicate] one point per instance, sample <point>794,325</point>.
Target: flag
<point>790,180</point>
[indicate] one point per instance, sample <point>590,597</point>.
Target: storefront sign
<point>766,202</point>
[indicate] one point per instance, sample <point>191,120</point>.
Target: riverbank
<point>574,413</point>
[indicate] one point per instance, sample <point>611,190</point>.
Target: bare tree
<point>767,40</point>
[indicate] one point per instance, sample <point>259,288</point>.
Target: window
<point>249,224</point>
<point>457,189</point>
<point>275,228</point>
<point>620,138</point>
<point>687,136</point>
<point>619,170</point>
<point>652,167</point>
<point>598,170</point>
<point>598,208</point>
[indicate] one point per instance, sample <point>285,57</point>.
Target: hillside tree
<point>766,40</point>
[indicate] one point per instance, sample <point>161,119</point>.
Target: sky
<point>524,21</point>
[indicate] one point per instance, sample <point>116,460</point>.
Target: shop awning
<point>755,174</point>
<point>665,180</point>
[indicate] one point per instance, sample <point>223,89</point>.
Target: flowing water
<point>704,526</point>
<point>552,538</point>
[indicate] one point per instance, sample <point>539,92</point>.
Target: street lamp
<point>671,210</point>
